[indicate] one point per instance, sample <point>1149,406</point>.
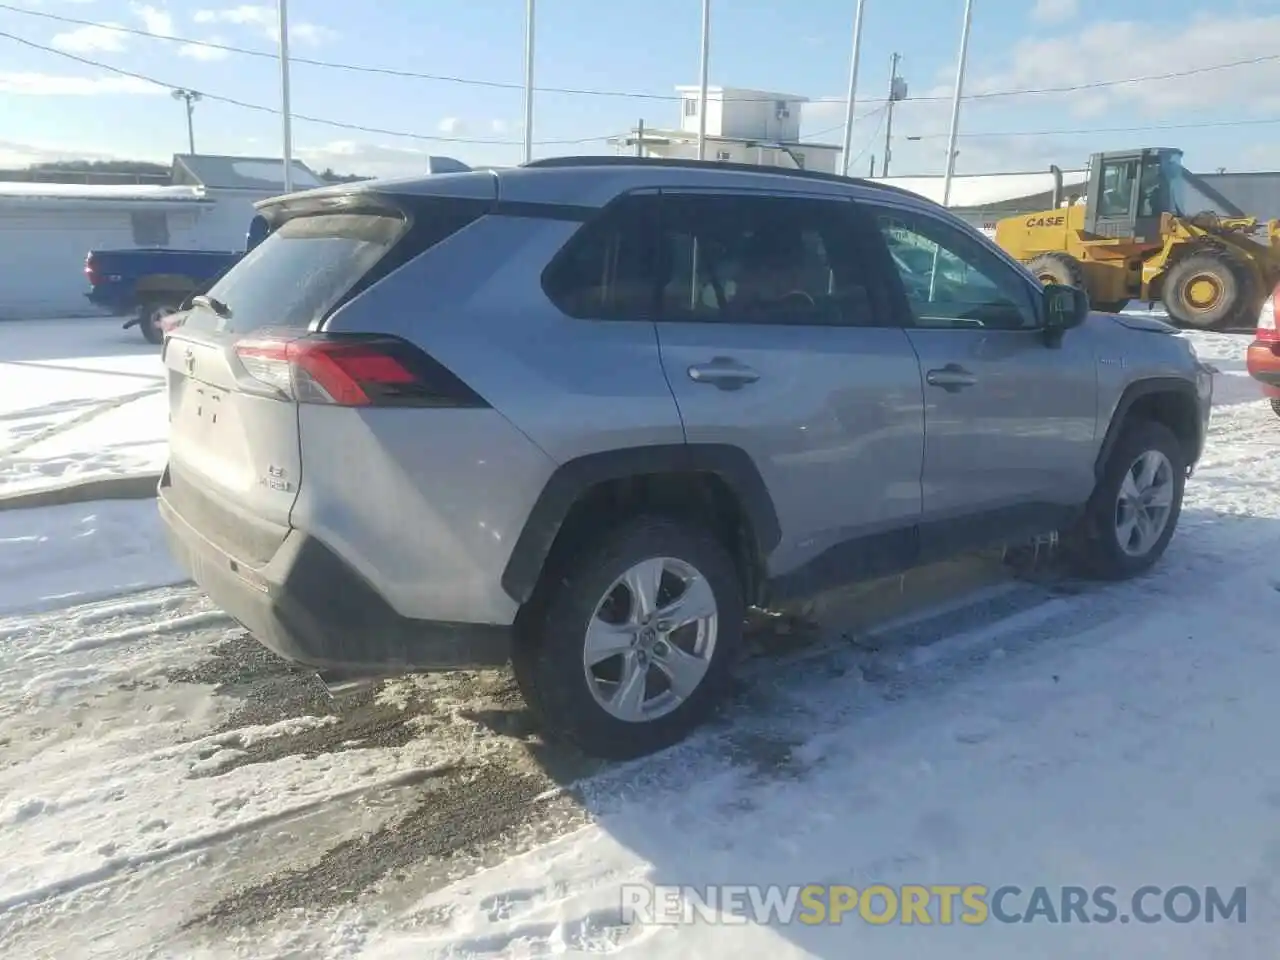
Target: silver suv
<point>581,414</point>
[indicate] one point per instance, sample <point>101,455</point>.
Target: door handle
<point>951,378</point>
<point>724,373</point>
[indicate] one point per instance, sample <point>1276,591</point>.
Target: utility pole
<point>640,138</point>
<point>854,57</point>
<point>897,91</point>
<point>530,17</point>
<point>955,103</point>
<point>286,111</point>
<point>702,81</point>
<point>192,97</point>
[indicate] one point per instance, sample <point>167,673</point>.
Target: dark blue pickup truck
<point>151,283</point>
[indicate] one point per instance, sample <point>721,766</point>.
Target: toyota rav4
<point>582,414</point>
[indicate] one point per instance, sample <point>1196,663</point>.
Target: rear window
<point>300,272</point>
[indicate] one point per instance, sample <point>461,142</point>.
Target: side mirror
<point>1065,307</point>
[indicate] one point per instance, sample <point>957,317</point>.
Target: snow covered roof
<point>22,191</point>
<point>242,173</point>
<point>978,191</point>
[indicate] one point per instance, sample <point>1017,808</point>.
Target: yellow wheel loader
<point>1132,238</point>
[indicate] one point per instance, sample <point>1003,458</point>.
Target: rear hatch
<point>235,463</point>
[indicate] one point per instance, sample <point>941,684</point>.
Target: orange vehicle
<point>1263,358</point>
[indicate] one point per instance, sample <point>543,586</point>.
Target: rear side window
<point>715,258</point>
<point>300,272</point>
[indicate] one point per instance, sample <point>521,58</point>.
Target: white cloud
<point>265,19</point>
<point>1118,49</point>
<point>53,85</point>
<point>15,155</point>
<point>157,22</point>
<point>450,125</point>
<point>499,126</point>
<point>1054,11</point>
<point>96,39</point>
<point>194,51</point>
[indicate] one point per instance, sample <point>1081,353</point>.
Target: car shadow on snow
<point>769,750</point>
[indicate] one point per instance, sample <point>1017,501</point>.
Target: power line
<point>261,108</point>
<point>361,128</point>
<point>1081,131</point>
<point>475,141</point>
<point>626,94</point>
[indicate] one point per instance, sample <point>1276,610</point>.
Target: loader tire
<point>1060,268</point>
<point>1209,290</point>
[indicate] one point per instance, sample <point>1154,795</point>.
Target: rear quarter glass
<point>299,273</point>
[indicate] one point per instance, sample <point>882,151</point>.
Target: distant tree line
<point>118,171</point>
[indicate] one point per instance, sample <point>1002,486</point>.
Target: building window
<point>723,155</point>
<point>151,229</point>
<point>690,107</point>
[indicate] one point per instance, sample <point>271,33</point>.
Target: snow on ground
<point>168,789</point>
<point>57,556</point>
<point>79,399</point>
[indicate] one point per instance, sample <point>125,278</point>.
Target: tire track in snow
<point>198,841</point>
<point>57,429</point>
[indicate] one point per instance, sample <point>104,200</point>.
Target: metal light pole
<point>853,88</point>
<point>955,103</point>
<point>192,97</point>
<point>285,110</point>
<point>702,82</point>
<point>528,80</point>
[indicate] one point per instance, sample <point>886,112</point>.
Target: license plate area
<point>200,409</point>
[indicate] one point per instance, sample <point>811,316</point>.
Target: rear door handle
<point>951,378</point>
<point>723,372</point>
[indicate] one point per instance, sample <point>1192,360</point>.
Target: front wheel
<point>1210,289</point>
<point>1135,507</point>
<point>633,645</point>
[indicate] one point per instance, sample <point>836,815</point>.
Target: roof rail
<point>607,160</point>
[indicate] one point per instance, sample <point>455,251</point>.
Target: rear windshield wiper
<point>211,303</point>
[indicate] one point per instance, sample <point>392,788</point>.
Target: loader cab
<point>1129,192</point>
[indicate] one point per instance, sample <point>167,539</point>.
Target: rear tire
<point>580,693</point>
<point>1058,268</point>
<point>1134,510</point>
<point>151,312</point>
<point>1209,290</point>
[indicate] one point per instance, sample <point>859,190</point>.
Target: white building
<point>743,126</point>
<point>46,229</point>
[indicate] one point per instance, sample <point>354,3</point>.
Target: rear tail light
<point>1268,321</point>
<point>91,271</point>
<point>353,371</point>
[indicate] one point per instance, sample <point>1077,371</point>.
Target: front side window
<point>714,259</point>
<point>1117,187</point>
<point>950,279</point>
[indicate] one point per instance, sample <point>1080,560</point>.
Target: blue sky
<point>53,107</point>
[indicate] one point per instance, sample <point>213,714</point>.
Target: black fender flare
<point>1131,395</point>
<point>574,478</point>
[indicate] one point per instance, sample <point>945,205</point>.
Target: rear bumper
<point>307,605</point>
<point>1263,363</point>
